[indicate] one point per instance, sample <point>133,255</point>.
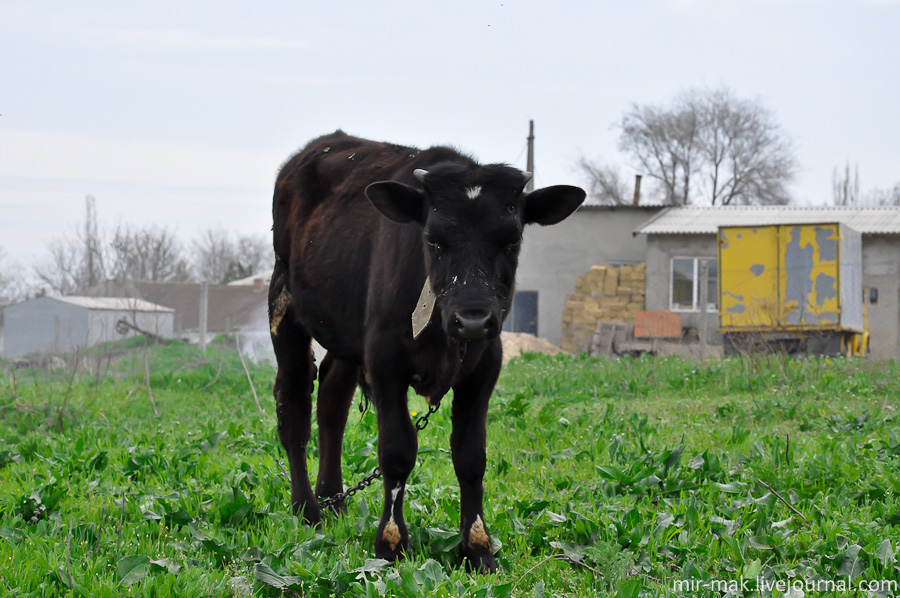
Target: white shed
<point>62,324</point>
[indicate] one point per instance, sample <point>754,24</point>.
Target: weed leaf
<point>265,575</point>
<point>629,589</point>
<point>851,562</point>
<point>132,569</point>
<point>371,566</point>
<point>885,553</point>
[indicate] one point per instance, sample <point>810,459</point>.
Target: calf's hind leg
<point>337,383</point>
<point>293,400</point>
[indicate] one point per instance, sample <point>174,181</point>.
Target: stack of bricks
<point>604,293</point>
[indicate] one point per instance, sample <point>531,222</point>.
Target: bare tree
<point>146,253</point>
<point>883,197</point>
<point>89,256</point>
<point>664,144</point>
<point>75,262</point>
<point>744,157</point>
<point>254,253</point>
<point>606,185</point>
<point>212,254</point>
<point>62,272</point>
<point>220,256</point>
<point>4,276</point>
<point>844,189</point>
<point>709,147</point>
<point>13,287</point>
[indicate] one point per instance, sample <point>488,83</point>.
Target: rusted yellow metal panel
<point>809,276</point>
<point>748,277</point>
<point>790,278</point>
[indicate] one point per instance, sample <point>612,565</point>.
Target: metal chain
<point>327,501</point>
<point>422,421</point>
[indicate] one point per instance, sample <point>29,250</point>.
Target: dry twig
<point>555,557</point>
<point>216,379</point>
<point>102,517</point>
<point>246,371</point>
<point>781,498</point>
<point>68,557</point>
<point>121,524</point>
<point>147,380</point>
<point>62,408</point>
<point>14,385</point>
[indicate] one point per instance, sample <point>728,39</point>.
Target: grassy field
<point>633,477</point>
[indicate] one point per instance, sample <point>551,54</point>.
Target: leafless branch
<point>146,253</point>
<point>221,256</point>
<point>75,262</point>
<point>605,183</point>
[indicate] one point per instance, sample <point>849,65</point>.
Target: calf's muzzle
<point>474,324</point>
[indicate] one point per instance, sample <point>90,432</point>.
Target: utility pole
<point>530,166</point>
<point>704,302</point>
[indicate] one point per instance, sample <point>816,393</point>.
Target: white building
<point>62,324</point>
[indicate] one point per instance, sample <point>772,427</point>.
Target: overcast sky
<point>180,113</point>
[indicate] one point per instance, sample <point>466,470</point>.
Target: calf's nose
<point>471,326</point>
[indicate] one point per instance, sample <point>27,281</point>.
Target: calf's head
<point>471,220</point>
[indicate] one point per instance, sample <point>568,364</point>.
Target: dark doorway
<point>524,314</point>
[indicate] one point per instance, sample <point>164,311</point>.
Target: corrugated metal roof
<point>704,220</point>
<point>261,279</point>
<point>592,202</point>
<point>230,308</point>
<point>113,303</point>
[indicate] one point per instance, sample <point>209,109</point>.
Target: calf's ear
<point>399,202</point>
<point>552,204</point>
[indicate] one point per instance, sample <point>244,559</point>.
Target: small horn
<point>527,176</point>
<point>420,174</point>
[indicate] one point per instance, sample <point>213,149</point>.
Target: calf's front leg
<point>397,446</point>
<point>468,445</point>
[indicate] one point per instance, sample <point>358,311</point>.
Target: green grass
<point>625,478</point>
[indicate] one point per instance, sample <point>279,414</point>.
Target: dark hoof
<point>479,561</point>
<point>309,513</point>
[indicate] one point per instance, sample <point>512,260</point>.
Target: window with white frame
<point>684,292</point>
